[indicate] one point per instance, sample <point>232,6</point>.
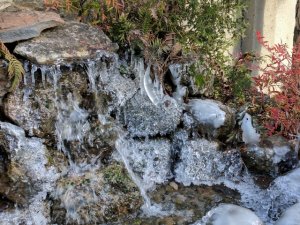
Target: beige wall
<point>275,19</point>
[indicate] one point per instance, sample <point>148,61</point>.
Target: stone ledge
<point>72,41</point>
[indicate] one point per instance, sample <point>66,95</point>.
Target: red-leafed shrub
<point>280,79</point>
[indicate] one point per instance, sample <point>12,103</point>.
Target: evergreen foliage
<point>172,31</point>
<point>15,67</point>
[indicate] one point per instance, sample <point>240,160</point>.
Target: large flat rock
<point>21,24</point>
<point>69,42</point>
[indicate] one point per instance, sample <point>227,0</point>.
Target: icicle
<point>92,75</point>
<point>33,70</point>
<point>26,68</point>
<point>43,73</point>
<point>152,89</point>
<point>180,92</point>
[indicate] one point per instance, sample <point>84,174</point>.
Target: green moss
<point>116,176</point>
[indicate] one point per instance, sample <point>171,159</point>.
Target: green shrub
<point>170,31</point>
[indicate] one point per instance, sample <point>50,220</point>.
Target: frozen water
<point>291,216</point>
<point>207,112</point>
<point>229,214</point>
<point>250,135</point>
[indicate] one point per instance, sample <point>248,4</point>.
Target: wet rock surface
<point>291,216</point>
<point>34,108</point>
<point>201,162</point>
<point>66,43</point>
<point>23,165</point>
<point>95,197</point>
<point>187,204</point>
<point>142,118</point>
<point>273,156</point>
<point>150,159</point>
<point>22,23</point>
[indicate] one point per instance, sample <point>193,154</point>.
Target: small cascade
<point>71,124</point>
<point>129,151</point>
<point>176,71</point>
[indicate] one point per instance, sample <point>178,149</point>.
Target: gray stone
<point>23,170</point>
<point>25,24</point>
<point>66,43</point>
<point>201,162</point>
<point>143,118</point>
<point>211,117</point>
<point>274,156</point>
<point>285,192</point>
<point>291,216</point>
<point>149,159</point>
<point>97,196</point>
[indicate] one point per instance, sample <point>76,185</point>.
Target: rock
<point>285,192</point>
<point>23,24</point>
<point>95,197</point>
<point>35,109</point>
<point>212,117</point>
<point>201,162</point>
<point>230,214</point>
<point>4,82</point>
<point>5,4</point>
<point>66,43</point>
<point>33,4</point>
<point>291,216</point>
<point>150,159</point>
<point>188,203</point>
<point>142,118</point>
<point>23,165</point>
<point>106,76</point>
<point>174,185</point>
<point>273,156</point>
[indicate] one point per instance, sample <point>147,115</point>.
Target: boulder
<point>66,43</point>
<point>273,156</point>
<point>230,214</point>
<point>142,118</point>
<point>22,165</point>
<point>285,192</point>
<point>96,196</point>
<point>211,117</point>
<point>22,24</point>
<point>201,162</point>
<point>150,159</point>
<point>291,216</point>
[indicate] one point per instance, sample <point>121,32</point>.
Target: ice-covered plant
<point>280,80</point>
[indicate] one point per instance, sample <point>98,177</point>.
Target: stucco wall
<point>275,19</point>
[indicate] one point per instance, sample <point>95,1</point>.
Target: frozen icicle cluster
<point>176,72</point>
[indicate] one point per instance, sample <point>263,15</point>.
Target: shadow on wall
<point>255,17</point>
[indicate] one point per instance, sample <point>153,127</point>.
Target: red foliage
<point>280,79</point>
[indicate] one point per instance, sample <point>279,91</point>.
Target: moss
<point>115,176</point>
